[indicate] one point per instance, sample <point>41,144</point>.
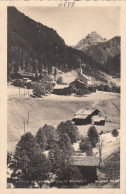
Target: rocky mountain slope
<point>89,40</point>
<point>104,52</point>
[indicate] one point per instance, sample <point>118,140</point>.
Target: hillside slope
<point>53,109</point>
<point>33,46</point>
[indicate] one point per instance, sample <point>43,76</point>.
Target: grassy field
<point>111,167</point>
<point>53,109</point>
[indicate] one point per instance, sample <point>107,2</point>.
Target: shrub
<point>59,80</point>
<point>93,135</point>
<point>48,87</point>
<point>39,168</point>
<point>39,90</point>
<point>56,157</point>
<point>70,129</point>
<point>45,136</point>
<point>41,138</point>
<point>68,174</point>
<point>86,146</point>
<point>65,144</point>
<point>80,92</point>
<point>26,150</point>
<point>115,133</point>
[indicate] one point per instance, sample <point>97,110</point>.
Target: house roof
<point>84,113</point>
<point>26,74</point>
<point>80,81</point>
<point>83,75</point>
<point>97,118</point>
<point>85,161</point>
<point>60,86</point>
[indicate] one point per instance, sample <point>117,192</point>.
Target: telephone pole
<point>28,118</point>
<point>24,127</point>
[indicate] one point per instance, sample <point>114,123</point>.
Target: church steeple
<point>80,67</point>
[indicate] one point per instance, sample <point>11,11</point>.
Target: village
<point>91,114</point>
<point>63,98</point>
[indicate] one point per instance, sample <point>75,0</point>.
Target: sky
<point>73,24</point>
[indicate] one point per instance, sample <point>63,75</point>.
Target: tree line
<point>48,154</point>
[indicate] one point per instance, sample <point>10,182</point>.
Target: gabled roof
<point>85,76</point>
<point>79,81</point>
<point>97,118</point>
<point>84,113</point>
<point>60,86</point>
<point>26,73</point>
<point>85,161</point>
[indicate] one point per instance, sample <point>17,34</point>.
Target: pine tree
<point>93,135</point>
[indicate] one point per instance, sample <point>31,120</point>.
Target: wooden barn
<point>98,120</point>
<point>22,75</point>
<point>61,90</point>
<point>88,166</point>
<point>84,116</point>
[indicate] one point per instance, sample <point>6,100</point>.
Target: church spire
<point>80,67</point>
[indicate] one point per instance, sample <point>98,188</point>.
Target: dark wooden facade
<point>17,75</point>
<point>89,173</point>
<point>62,91</point>
<point>85,120</point>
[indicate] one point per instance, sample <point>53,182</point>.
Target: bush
<point>29,85</point>
<point>70,129</point>
<point>45,136</point>
<point>41,138</point>
<point>39,168</point>
<point>39,90</point>
<point>26,150</point>
<point>42,88</point>
<point>65,144</point>
<point>80,92</point>
<point>93,135</point>
<point>56,157</point>
<point>68,174</point>
<point>86,146</point>
<point>59,80</point>
<point>48,87</point>
<point>115,133</point>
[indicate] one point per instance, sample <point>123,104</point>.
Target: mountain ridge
<point>91,39</point>
<point>33,46</point>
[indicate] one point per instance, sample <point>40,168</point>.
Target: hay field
<point>53,109</point>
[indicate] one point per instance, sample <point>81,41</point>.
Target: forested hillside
<point>33,47</point>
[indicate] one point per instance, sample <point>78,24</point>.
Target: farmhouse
<point>88,166</point>
<point>84,116</point>
<point>98,120</point>
<point>61,89</point>
<point>22,75</point>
